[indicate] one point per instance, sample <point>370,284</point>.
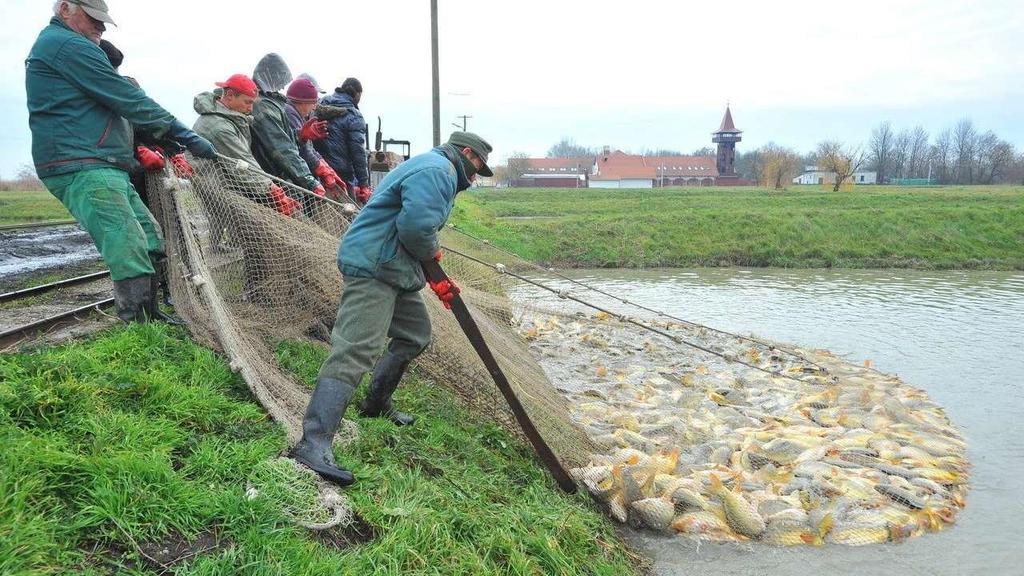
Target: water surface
<point>959,335</point>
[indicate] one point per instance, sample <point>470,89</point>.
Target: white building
<point>814,175</point>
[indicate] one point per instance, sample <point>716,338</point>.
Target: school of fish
<point>778,445</point>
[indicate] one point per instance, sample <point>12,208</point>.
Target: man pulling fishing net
<point>381,259</point>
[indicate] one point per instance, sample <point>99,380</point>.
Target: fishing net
<point>670,425</point>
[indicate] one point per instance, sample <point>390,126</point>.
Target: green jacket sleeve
<point>281,150</point>
<point>85,66</point>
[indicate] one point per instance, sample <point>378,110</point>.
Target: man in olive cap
<point>79,113</point>
<point>381,259</point>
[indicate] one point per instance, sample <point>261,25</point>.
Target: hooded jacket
<point>345,145</point>
<point>229,131</point>
<point>397,229</point>
<point>275,143</point>
<point>78,104</point>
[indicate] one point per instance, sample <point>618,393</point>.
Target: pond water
<point>958,335</point>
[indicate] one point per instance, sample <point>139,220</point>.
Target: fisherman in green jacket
<point>275,143</point>
<point>82,146</point>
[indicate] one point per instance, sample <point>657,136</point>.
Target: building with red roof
<point>617,169</point>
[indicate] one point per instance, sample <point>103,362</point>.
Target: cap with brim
<point>97,9</point>
<point>239,83</point>
<point>478,145</point>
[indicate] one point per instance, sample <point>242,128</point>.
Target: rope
<point>622,317</point>
<point>586,286</point>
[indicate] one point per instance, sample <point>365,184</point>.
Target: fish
<point>739,514</point>
<point>702,522</point>
<point>785,532</point>
<point>654,513</point>
<point>901,496</point>
<point>859,533</point>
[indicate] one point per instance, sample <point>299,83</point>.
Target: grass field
<point>869,227</point>
<point>26,207</point>
<point>132,453</point>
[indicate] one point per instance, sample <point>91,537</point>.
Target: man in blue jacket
<point>380,258</point>
<point>81,113</point>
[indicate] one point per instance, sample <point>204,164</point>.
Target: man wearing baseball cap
<point>225,118</point>
<point>81,113</point>
<point>380,258</point>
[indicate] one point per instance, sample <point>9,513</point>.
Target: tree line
<point>959,154</point>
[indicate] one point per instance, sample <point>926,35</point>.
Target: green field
<point>33,206</point>
<point>132,453</point>
<point>978,227</point>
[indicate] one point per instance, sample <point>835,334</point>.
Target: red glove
<point>181,166</point>
<point>363,193</point>
<point>327,175</point>
<point>319,190</point>
<point>282,203</point>
<point>151,160</point>
<point>313,129</point>
<point>446,290</point>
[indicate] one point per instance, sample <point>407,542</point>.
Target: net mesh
<point>670,425</point>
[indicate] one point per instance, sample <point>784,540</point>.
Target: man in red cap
<point>225,118</point>
<point>302,100</point>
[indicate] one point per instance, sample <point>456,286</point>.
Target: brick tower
<point>726,137</point>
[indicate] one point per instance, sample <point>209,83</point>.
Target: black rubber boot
<point>159,261</point>
<point>323,415</point>
<point>386,375</point>
<point>154,311</point>
<point>132,297</point>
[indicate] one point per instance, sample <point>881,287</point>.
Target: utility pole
<point>464,117</point>
<point>436,73</point>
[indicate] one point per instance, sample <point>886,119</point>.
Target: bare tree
<point>965,141</point>
<point>940,157</point>
<point>779,166</point>
<point>749,165</point>
<point>901,153</point>
<point>881,149</point>
<point>918,155</point>
<point>706,151</point>
<point>518,164</point>
<point>661,152</point>
<point>841,161</point>
<point>568,148</point>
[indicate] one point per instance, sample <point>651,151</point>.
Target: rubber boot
<point>386,375</point>
<point>160,265</point>
<point>323,416</point>
<point>154,311</point>
<point>132,297</point>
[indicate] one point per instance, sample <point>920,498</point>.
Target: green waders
<point>369,312</point>
<point>106,204</point>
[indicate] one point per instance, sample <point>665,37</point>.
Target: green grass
<point>29,207</point>
<point>138,437</point>
<point>870,227</point>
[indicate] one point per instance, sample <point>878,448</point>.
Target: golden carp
<point>740,514</point>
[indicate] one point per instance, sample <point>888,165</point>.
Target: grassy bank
<point>132,453</point>
<point>871,227</point>
<point>31,206</point>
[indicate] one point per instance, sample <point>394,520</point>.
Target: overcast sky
<point>632,75</point>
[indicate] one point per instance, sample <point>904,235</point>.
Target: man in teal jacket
<point>79,113</point>
<point>380,258</point>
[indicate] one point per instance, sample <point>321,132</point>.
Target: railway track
<point>47,224</point>
<point>10,337</point>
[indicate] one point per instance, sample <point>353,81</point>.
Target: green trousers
<point>371,310</point>
<point>106,204</point>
